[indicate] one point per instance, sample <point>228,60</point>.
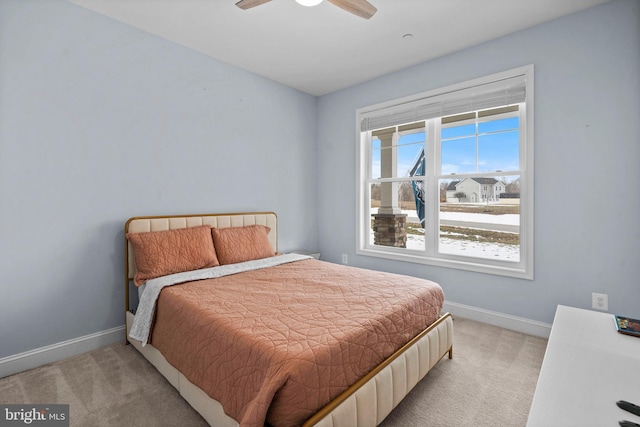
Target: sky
<point>497,148</point>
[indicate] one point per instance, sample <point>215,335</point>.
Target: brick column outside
<point>390,230</point>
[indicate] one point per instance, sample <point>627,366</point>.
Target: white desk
<point>588,366</point>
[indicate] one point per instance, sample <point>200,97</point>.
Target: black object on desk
<point>629,407</point>
<point>628,424</point>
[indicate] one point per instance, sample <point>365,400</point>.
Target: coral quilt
<point>277,344</point>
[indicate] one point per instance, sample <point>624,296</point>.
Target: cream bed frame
<point>365,403</point>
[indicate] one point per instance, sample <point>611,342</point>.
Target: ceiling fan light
<point>309,2</point>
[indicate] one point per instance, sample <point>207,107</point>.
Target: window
<point>446,177</point>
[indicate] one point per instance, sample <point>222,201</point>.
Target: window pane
<point>386,229</point>
<point>375,161</point>
<point>480,217</point>
<point>459,156</point>
<point>510,123</point>
<point>375,197</point>
<point>458,131</point>
<point>499,152</point>
<point>410,160</point>
<point>410,154</point>
<point>499,145</point>
<point>411,138</point>
<point>400,160</point>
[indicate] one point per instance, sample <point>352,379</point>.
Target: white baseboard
<point>514,323</point>
<point>52,353</point>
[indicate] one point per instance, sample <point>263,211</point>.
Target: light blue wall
<point>100,122</point>
<point>587,154</point>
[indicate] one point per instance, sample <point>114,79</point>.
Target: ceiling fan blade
<point>248,4</point>
<point>362,8</point>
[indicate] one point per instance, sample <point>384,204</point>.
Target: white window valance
<point>511,90</point>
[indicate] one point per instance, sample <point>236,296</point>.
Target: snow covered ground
<point>496,251</point>
<point>507,219</point>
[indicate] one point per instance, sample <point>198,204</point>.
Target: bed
<point>252,337</point>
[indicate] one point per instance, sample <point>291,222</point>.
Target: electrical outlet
<point>600,301</point>
<point>345,259</point>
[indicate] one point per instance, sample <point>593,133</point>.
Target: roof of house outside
<point>489,181</point>
<point>452,185</point>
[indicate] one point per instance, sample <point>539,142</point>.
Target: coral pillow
<point>239,244</point>
<point>159,253</point>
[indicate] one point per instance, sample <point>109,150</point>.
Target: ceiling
<point>322,49</point>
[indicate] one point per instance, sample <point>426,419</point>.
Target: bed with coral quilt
<point>252,337</point>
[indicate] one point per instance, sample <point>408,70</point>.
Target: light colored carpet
<point>489,382</point>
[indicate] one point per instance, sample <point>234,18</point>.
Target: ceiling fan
<point>361,8</point>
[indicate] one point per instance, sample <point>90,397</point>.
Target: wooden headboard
<point>142,224</point>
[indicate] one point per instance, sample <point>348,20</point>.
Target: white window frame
<point>522,269</point>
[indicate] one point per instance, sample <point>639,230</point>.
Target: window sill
<point>500,269</point>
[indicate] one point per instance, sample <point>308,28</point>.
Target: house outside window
<point>446,177</point>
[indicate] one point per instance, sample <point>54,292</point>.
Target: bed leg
<point>451,352</point>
